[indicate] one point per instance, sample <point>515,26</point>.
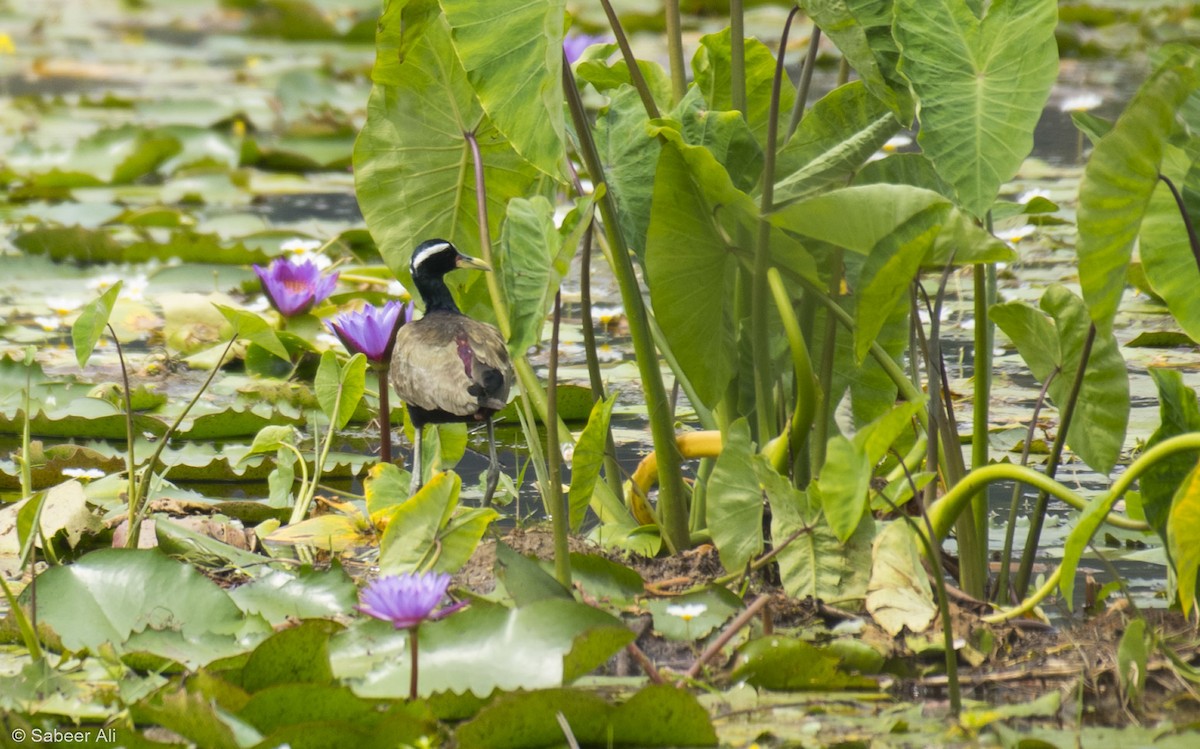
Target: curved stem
<point>737,56</point>
<point>675,50</point>
<point>130,462</point>
<point>672,501</point>
<point>413,637</point>
<point>814,43</point>
<point>760,293</point>
<point>559,514</point>
<point>612,472</point>
<point>806,386</point>
<point>385,415</point>
<point>1029,603</point>
<point>495,290</point>
<point>1011,526</point>
<point>1193,241</point>
<point>148,471</point>
<point>1060,440</point>
<point>635,72</point>
<point>527,379</point>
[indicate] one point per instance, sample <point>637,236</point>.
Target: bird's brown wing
<point>451,363</point>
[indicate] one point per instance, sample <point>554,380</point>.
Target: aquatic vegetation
<point>789,272</point>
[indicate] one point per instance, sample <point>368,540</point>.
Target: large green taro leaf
<point>981,84</point>
<point>725,134</point>
<point>812,562</point>
<point>713,72</point>
<point>413,167</point>
<point>862,30</point>
<point>628,155</point>
<point>841,131</point>
<point>1183,537</point>
<point>1178,414</point>
<point>512,53</point>
<point>1054,341</point>
<point>900,229</point>
<point>547,643</point>
<point>1117,186</point>
<point>529,244</point>
<point>735,505</point>
<point>689,267</point>
<point>1165,249</point>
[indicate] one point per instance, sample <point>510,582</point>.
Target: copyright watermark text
<point>68,736</point>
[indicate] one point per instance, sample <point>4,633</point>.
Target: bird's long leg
<point>416,469</point>
<point>493,474</point>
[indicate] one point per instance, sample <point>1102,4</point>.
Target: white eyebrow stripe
<point>424,254</point>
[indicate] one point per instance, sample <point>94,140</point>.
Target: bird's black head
<point>433,259</point>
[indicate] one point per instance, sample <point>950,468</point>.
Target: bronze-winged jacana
<point>446,366</point>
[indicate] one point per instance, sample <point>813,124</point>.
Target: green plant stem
<point>760,291</point>
<point>972,545</point>
<point>130,461</point>
<point>675,50</point>
<point>385,416</point>
<point>495,290</point>
<point>413,637</point>
<point>527,379</point>
<point>635,72</point>
<point>824,415</point>
<point>529,426</point>
<point>300,511</point>
<point>26,434</point>
<point>737,56</point>
<point>810,60</point>
<point>559,513</point>
<point>1011,525</point>
<point>1168,447</point>
<point>148,471</point>
<point>1193,240</point>
<point>303,469</point>
<point>699,511</point>
<point>27,629</point>
<point>807,394</point>
<point>980,407</point>
<point>672,501</point>
<point>943,512</point>
<point>1060,440</point>
<point>612,472</point>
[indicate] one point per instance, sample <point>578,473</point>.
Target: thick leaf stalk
<point>760,294</point>
<point>672,502</point>
<point>1039,510</point>
<point>559,513</point>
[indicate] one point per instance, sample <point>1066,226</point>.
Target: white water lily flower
<point>686,611</point>
<point>63,305</point>
<point>896,142</point>
<point>1016,234</point>
<point>298,250</point>
<point>86,474</point>
<point>1027,196</point>
<point>1081,102</point>
<point>103,282</point>
<point>48,323</point>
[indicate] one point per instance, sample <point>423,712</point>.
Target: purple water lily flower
<point>371,331</point>
<point>575,44</point>
<point>295,287</point>
<point>407,600</point>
